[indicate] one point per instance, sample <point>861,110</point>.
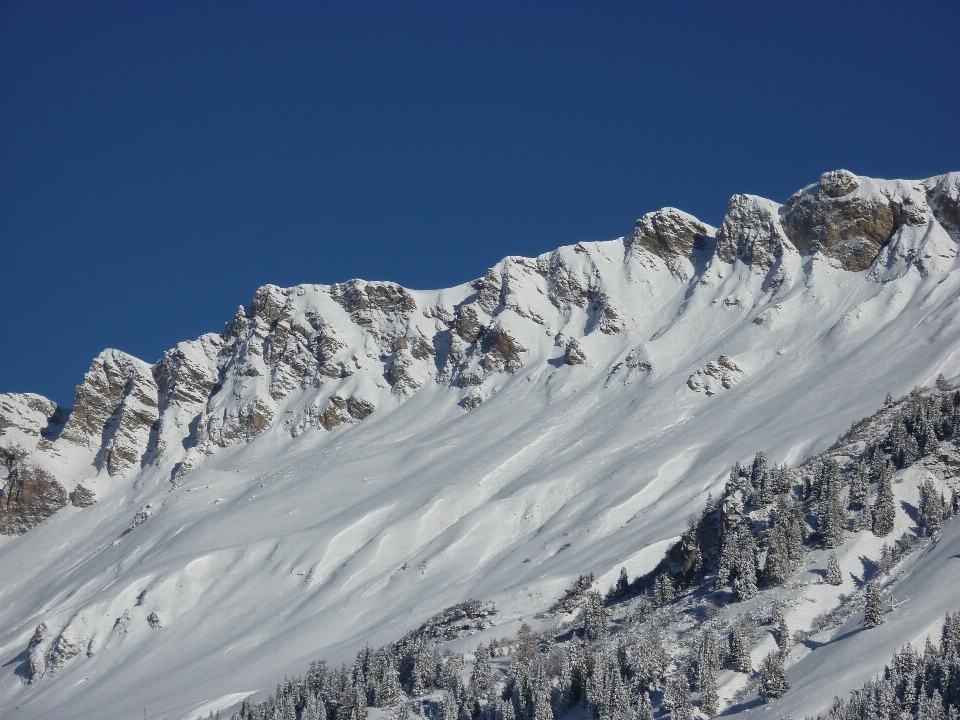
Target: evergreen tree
<point>783,634</point>
<point>594,617</point>
<point>773,678</point>
<point>859,486</point>
<point>883,511</point>
<point>740,651</point>
<point>834,575</point>
<point>863,520</point>
<point>931,509</point>
<point>709,699</point>
<point>676,698</point>
<point>644,709</point>
<point>482,675</point>
<point>652,658</point>
<point>777,568</point>
<point>745,585</point>
<point>527,640</point>
<point>873,612</point>
<point>759,480</point>
<point>831,520</point>
<point>310,709</point>
<point>623,584</point>
<point>663,590</point>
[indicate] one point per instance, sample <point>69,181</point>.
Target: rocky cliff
<point>319,358</point>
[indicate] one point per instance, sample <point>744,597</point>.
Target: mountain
<point>342,462</point>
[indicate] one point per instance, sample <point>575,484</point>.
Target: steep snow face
<point>344,461</point>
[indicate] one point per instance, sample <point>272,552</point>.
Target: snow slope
<point>345,461</point>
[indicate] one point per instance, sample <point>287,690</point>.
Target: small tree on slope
<point>773,678</point>
<point>873,613</point>
<point>884,512</point>
<point>834,576</point>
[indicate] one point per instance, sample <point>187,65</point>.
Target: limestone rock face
<point>30,496</point>
<point>81,497</point>
<point>944,199</point>
<point>188,374</point>
<point>668,233</point>
<point>752,232</point>
<point>838,183</point>
<point>842,219</point>
<point>722,373</point>
<point>115,409</point>
<point>27,413</point>
<point>27,422</point>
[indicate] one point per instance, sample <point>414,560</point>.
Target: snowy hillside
<point>344,461</point>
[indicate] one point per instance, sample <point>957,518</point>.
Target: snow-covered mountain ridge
<point>607,384</point>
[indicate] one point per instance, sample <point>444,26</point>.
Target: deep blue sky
<point>160,161</point>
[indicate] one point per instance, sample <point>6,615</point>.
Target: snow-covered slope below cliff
<point>344,461</point>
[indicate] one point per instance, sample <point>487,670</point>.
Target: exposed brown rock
<point>944,198</point>
<point>751,232</point>
<point>467,324</point>
<point>115,409</point>
<point>30,496</point>
<point>848,227</point>
<point>356,296</point>
<point>573,354</point>
<point>668,233</point>
<point>502,352</point>
<point>344,410</point>
<point>27,412</point>
<point>838,183</point>
<point>81,497</point>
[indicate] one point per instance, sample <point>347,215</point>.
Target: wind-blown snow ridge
<point>343,461</point>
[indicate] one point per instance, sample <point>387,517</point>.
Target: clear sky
<point>159,160</point>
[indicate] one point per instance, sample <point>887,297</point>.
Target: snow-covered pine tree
<point>663,590</point>
<point>777,568</point>
<point>883,511</point>
<point>594,617</point>
<point>859,485</point>
<point>759,478</point>
<point>740,651</point>
<point>834,575</point>
<point>745,585</point>
<point>709,698</point>
<point>863,520</point>
<point>481,676</point>
<point>931,509</point>
<point>679,703</point>
<point>773,678</point>
<point>832,520</point>
<point>873,611</point>
<point>644,709</point>
<point>782,634</point>
<point>623,584</point>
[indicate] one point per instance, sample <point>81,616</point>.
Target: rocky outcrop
<point>188,374</point>
<point>30,496</point>
<point>841,219</point>
<point>751,232</point>
<point>82,497</point>
<point>723,373</point>
<point>344,410</point>
<point>669,233</point>
<point>30,414</point>
<point>501,351</point>
<point>943,195</point>
<point>573,354</point>
<point>115,410</point>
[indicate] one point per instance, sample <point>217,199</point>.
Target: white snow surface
<point>282,549</point>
